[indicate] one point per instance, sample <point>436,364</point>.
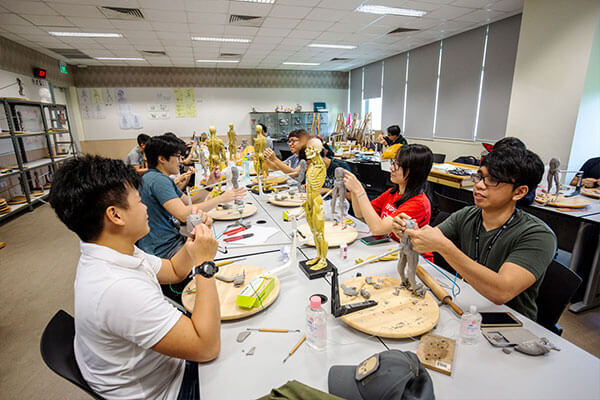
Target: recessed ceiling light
<point>218,61</point>
<point>300,63</point>
<point>120,58</point>
<point>86,34</point>
<point>259,1</point>
<point>373,9</point>
<point>332,46</point>
<point>217,39</point>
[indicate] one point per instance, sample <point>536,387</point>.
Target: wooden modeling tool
<point>227,262</point>
<point>273,330</point>
<point>438,290</point>
<point>293,350</point>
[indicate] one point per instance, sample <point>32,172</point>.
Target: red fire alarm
<point>39,73</point>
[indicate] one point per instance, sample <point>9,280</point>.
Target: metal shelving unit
<point>58,142</point>
<point>279,124</point>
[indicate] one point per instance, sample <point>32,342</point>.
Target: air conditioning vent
<point>402,30</point>
<point>154,52</point>
<point>121,13</point>
<point>72,54</point>
<point>340,59</point>
<point>246,20</point>
<point>230,55</point>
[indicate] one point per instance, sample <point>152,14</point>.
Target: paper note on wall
<point>179,103</point>
<point>190,102</point>
<point>97,96</point>
<point>185,102</point>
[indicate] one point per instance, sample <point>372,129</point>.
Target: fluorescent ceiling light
<point>373,9</point>
<point>87,34</point>
<point>300,63</point>
<point>218,61</point>
<point>217,39</point>
<point>332,46</point>
<point>259,1</point>
<point>120,58</point>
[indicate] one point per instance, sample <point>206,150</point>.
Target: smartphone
<point>498,319</point>
<point>369,240</point>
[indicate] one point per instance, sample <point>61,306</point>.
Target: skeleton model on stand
<point>313,206</point>
<point>216,155</point>
<point>409,258</point>
<point>553,174</point>
<point>232,143</point>
<point>338,194</point>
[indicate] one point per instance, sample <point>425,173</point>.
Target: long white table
<point>481,371</point>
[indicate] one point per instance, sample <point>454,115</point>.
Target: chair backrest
<point>439,158</point>
<point>57,351</point>
<point>558,286</point>
<point>448,204</point>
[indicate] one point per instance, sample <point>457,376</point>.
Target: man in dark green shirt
<point>502,252</point>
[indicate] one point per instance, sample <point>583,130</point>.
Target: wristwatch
<point>207,269</point>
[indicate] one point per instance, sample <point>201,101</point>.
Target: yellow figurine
<point>216,150</point>
<point>313,206</point>
<point>232,143</point>
<point>260,144</point>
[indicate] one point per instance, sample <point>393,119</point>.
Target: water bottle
<point>246,167</point>
<point>316,324</point>
<point>470,326</point>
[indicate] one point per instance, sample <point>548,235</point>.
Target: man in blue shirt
<point>296,140</point>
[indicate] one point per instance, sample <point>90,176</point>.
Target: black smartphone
<point>498,319</point>
<point>369,240</point>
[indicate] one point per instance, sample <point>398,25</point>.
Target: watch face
<point>209,268</point>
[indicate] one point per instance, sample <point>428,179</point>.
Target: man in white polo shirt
<point>130,342</point>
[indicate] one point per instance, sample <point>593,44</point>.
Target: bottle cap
<point>315,302</point>
<point>473,309</point>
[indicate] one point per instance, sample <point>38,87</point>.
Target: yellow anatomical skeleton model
<point>232,143</point>
<point>260,144</point>
<point>313,206</point>
<point>216,154</point>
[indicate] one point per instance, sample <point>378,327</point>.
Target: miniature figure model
<point>313,206</point>
<point>260,143</point>
<point>232,143</point>
<point>235,175</point>
<point>553,174</point>
<point>216,150</point>
<point>407,257</point>
<point>202,161</point>
<point>301,172</point>
<point>339,193</point>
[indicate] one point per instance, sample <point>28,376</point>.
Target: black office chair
<point>556,290</point>
<point>439,158</point>
<point>57,351</point>
<point>448,204</point>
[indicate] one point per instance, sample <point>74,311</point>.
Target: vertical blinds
<point>422,80</point>
<point>372,87</point>
<point>356,90</point>
<point>460,75</point>
<point>394,79</point>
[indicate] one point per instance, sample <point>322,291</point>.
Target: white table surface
<point>481,371</point>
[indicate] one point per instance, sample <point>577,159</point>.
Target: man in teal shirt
<point>501,251</point>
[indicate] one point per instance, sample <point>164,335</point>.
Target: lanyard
<point>494,239</point>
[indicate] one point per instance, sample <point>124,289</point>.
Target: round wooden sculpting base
<point>292,201</point>
<point>562,201</point>
<point>228,293</point>
<point>399,316</point>
<point>272,180</point>
<point>232,213</point>
<point>334,235</point>
<point>595,193</point>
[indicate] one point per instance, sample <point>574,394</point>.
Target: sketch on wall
<point>127,119</point>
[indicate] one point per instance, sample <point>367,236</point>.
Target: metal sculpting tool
<point>293,350</point>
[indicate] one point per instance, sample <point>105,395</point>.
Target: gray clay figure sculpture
<point>553,174</point>
<point>408,260</point>
<point>338,194</point>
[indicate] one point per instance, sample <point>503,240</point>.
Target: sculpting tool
<point>236,238</point>
<point>293,350</point>
<point>273,330</point>
<point>227,262</point>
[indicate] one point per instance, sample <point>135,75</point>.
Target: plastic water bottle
<point>246,167</point>
<point>316,324</point>
<point>470,326</point>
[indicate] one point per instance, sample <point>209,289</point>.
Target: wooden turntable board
<point>272,180</point>
<point>291,201</point>
<point>334,235</point>
<point>404,315</point>
<point>228,293</point>
<point>219,214</point>
<point>561,201</point>
<point>595,193</point>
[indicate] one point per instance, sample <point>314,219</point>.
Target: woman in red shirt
<point>409,171</point>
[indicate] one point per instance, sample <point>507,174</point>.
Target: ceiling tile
<point>92,23</point>
<point>272,22</point>
<point>311,25</point>
<point>170,27</point>
<point>174,36</point>
<point>216,6</point>
<point>255,9</point>
<point>242,31</point>
<point>327,14</point>
<point>12,19</point>
<point>330,36</point>
<point>449,12</point>
<point>162,4</point>
<point>74,10</point>
<point>473,3</point>
<point>289,11</point>
<point>305,3</point>
<point>211,18</point>
<point>165,16</point>
<point>300,34</point>
<point>28,7</point>
<point>132,25</point>
<point>280,33</point>
<point>53,20</point>
<point>508,5</point>
<point>359,18</point>
<point>482,15</point>
<point>206,30</point>
<point>349,5</point>
<point>23,29</point>
<point>341,27</point>
<point>137,35</point>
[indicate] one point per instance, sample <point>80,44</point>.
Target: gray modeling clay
<point>369,280</point>
<point>191,221</point>
<point>535,347</point>
<point>251,351</point>
<point>235,175</point>
<point>408,258</point>
<point>349,291</point>
<point>239,279</point>
<point>338,194</point>
<point>242,336</point>
<point>396,291</point>
<point>506,350</point>
<point>301,172</point>
<point>364,293</point>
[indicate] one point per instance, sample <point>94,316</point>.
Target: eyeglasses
<point>292,140</point>
<point>488,181</point>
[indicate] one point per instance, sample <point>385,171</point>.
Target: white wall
<point>553,55</point>
<point>215,106</point>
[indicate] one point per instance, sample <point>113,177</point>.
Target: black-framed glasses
<point>488,181</point>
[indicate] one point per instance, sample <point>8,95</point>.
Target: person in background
<point>135,158</point>
<point>394,136</point>
<point>408,173</point>
<point>296,141</point>
<point>130,342</point>
<point>265,134</point>
<point>167,206</point>
<point>330,163</point>
<point>502,251</point>
<point>591,173</point>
